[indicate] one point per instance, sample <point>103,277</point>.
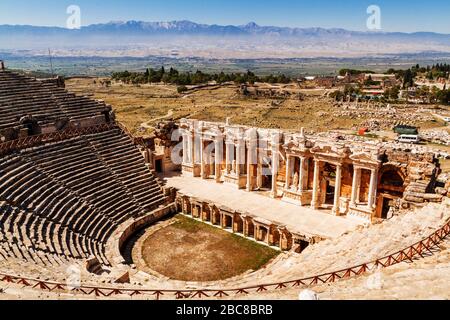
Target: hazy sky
<point>397,15</point>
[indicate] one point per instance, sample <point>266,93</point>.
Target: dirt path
<point>146,124</point>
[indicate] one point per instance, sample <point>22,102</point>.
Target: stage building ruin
<point>358,180</point>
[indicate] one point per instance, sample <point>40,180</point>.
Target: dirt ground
<point>193,251</point>
<point>445,165</point>
<point>140,107</point>
<point>147,103</point>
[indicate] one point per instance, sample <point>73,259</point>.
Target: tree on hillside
<point>392,93</point>
<point>408,79</point>
<point>173,76</point>
<point>444,97</point>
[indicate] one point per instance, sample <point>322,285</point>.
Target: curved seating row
<point>62,201</point>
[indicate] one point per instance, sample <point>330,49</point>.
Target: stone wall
<point>130,227</point>
<point>241,223</point>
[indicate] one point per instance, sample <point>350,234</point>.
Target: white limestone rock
<point>308,295</point>
<point>375,281</point>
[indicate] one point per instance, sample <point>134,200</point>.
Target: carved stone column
<point>275,163</point>
<point>302,174</point>
<point>288,171</point>
<point>228,161</point>
<point>259,174</point>
<point>202,159</point>
<point>191,150</point>
<point>252,155</point>
<point>197,147</point>
<point>355,185</point>
<point>185,148</point>
<point>217,159</point>
<point>316,185</point>
<point>239,160</point>
<point>337,189</point>
<point>372,189</point>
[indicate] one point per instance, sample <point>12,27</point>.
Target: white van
<point>447,119</point>
<point>408,138</point>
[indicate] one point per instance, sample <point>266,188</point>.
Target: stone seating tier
<point>22,96</point>
<point>61,202</point>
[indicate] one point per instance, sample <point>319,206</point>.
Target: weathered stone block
<point>441,191</point>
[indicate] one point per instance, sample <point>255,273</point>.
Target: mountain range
<point>186,27</point>
<point>188,38</point>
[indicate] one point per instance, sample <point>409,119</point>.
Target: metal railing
<point>415,251</point>
<point>33,141</point>
<point>137,140</point>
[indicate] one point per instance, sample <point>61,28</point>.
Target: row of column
<point>356,187</point>
<point>253,157</point>
<point>235,156</point>
<point>302,173</point>
<point>190,157</point>
<point>235,159</point>
<point>303,176</point>
<point>356,184</point>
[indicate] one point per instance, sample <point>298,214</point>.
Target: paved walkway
<point>300,220</point>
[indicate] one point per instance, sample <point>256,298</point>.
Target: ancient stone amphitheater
<point>75,186</point>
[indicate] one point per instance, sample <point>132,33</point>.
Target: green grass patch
<point>257,255</point>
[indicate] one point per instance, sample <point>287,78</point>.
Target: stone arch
<point>206,212</point>
<point>196,209</point>
<point>286,239</point>
<point>186,205</point>
<point>262,233</point>
<point>391,185</point>
<point>31,124</point>
<point>249,229</point>
<point>227,221</point>
<point>179,204</point>
<point>275,237</point>
<point>392,173</point>
<point>215,215</point>
<point>238,224</point>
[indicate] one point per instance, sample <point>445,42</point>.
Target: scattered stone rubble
<point>272,93</point>
<point>436,136</point>
<point>383,117</point>
<point>410,148</point>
